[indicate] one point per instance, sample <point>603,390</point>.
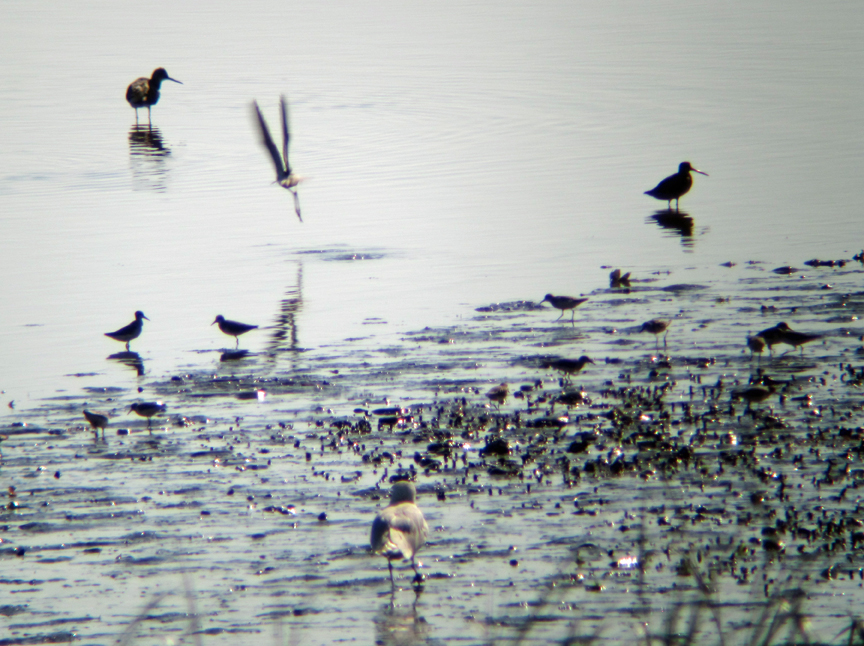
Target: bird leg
<point>392,582</point>
<point>418,578</point>
<point>296,203</point>
<point>236,342</point>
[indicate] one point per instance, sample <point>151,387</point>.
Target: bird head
<point>686,167</point>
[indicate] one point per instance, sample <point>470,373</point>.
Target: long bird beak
<point>699,171</point>
<point>168,78</point>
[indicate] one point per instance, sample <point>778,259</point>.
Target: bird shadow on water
<point>678,222</point>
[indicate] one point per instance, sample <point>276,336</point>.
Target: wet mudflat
<point>580,504</point>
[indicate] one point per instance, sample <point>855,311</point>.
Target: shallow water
<point>459,159</point>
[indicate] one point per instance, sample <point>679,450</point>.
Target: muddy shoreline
<point>246,512</point>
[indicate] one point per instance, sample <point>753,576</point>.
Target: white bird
<point>400,530</point>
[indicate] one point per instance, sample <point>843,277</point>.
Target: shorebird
<point>782,333</point>
<point>675,185</point>
<point>498,394</point>
<point>144,92</point>
<point>795,339</point>
<point>564,303</point>
<point>129,332</point>
<point>285,177</point>
<point>569,366</point>
<point>399,530</point>
<point>756,345</point>
<point>148,410</point>
<point>97,421</point>
<point>233,328</point>
<point>754,394</point>
<point>773,335</point>
<point>656,327</point>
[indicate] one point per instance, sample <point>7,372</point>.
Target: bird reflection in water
<point>131,359</point>
<point>677,221</point>
<point>234,355</point>
<point>284,337</point>
<point>147,156</point>
<point>395,626</point>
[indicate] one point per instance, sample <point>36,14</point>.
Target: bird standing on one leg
<point>285,177</point>
<point>128,333</point>
<point>675,185</point>
<point>144,92</point>
<point>399,530</point>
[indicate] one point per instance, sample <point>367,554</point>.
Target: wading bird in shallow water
<point>756,345</point>
<point>782,333</point>
<point>754,394</point>
<point>144,92</point>
<point>285,177</point>
<point>97,421</point>
<point>656,327</point>
<point>148,410</point>
<point>129,332</point>
<point>569,366</point>
<point>399,530</point>
<point>564,303</point>
<point>233,328</point>
<point>498,394</point>
<point>675,185</point>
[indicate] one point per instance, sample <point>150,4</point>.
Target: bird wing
<point>286,134</point>
<point>268,143</point>
<point>399,531</point>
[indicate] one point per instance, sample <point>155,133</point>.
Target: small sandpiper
<point>400,530</point>
<point>129,332</point>
<point>148,410</point>
<point>498,394</point>
<point>675,185</point>
<point>564,303</point>
<point>285,177</point>
<point>144,92</point>
<point>796,339</point>
<point>656,327</point>
<point>773,335</point>
<point>97,421</point>
<point>569,366</point>
<point>754,394</point>
<point>756,345</point>
<point>233,328</point>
